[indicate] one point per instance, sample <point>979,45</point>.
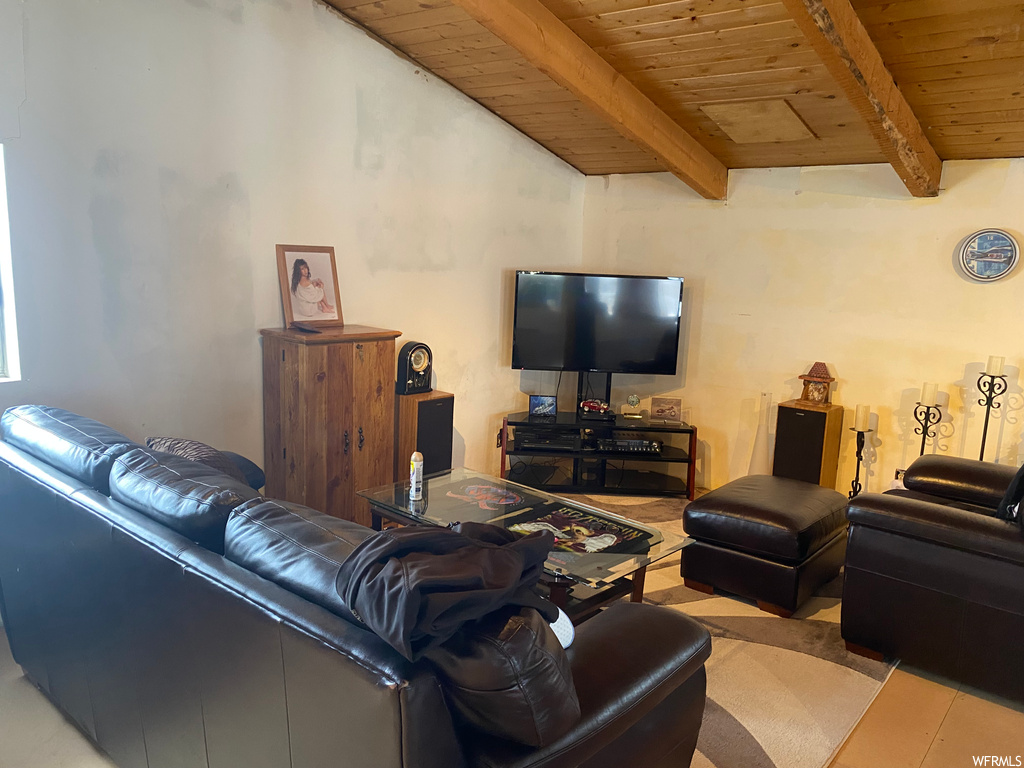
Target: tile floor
<point>922,721</point>
<point>917,721</point>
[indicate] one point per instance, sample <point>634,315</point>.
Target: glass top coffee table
<point>598,556</point>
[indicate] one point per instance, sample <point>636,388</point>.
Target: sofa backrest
<point>82,448</point>
<point>294,546</point>
<point>169,655</point>
<point>981,483</point>
<point>191,498</point>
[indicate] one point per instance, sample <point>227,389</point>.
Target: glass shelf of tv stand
<point>624,482</point>
<point>620,423</point>
<point>668,454</point>
<point>636,473</point>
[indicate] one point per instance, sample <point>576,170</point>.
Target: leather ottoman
<point>771,539</point>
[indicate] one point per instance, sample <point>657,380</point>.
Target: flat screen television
<point>603,323</point>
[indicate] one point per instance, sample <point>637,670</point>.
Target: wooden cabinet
<point>328,416</point>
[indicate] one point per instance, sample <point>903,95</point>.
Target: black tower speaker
<point>424,423</point>
<point>807,442</point>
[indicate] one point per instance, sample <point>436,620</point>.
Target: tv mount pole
<point>585,392</point>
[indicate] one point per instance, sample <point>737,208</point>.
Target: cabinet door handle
<point>360,351</point>
<point>362,438</point>
<point>347,442</point>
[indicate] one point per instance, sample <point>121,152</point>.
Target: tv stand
<point>621,456</point>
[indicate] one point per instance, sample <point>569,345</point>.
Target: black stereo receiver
<point>629,446</point>
<point>539,439</point>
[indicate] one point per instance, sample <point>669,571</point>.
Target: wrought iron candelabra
<point>855,487</point>
<point>927,416</point>
<point>991,386</point>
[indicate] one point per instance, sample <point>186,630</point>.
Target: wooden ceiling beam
<point>549,45</point>
<point>837,34</point>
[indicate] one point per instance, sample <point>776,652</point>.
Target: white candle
<point>995,365</point>
<point>928,393</point>
<point>863,418</point>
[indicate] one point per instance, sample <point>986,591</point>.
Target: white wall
<point>163,148</point>
<point>833,264</point>
<point>156,152</point>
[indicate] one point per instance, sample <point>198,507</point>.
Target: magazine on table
<point>513,507</point>
<point>478,498</point>
<point>577,530</point>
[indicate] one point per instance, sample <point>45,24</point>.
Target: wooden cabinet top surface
<point>331,335</point>
<point>806,406</point>
<point>419,397</point>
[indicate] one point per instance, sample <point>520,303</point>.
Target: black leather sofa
<point>934,578</point>
<point>167,654</point>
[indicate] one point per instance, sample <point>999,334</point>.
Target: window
<point>10,370</point>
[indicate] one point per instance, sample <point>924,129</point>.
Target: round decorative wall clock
<point>989,255</point>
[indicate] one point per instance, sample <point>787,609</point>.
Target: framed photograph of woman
<point>309,285</point>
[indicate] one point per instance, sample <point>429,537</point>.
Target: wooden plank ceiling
<point>958,65</point>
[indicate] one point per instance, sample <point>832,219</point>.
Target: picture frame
<point>543,405</point>
<point>988,255</point>
<point>666,408</point>
<point>317,301</point>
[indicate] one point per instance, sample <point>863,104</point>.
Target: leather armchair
<point>934,578</point>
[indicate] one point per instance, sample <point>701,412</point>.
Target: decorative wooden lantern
<point>817,385</point>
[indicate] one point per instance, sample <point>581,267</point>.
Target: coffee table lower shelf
<point>580,602</point>
<point>578,581</point>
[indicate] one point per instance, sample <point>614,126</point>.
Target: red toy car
<point>597,406</point>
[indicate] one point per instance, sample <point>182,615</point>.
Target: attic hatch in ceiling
<point>759,122</point>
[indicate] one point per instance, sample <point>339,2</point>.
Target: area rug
<point>782,693</point>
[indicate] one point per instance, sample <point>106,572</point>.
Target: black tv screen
<point>606,323</point>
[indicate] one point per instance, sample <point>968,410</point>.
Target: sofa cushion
<point>197,451</point>
<point>77,446</point>
<point>294,546</point>
<point>903,493</point>
<point>940,524</point>
<point>952,477</point>
<point>507,675</point>
<point>191,498</point>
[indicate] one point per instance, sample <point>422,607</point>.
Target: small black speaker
<point>424,422</point>
<point>434,434</point>
<point>414,365</point>
<point>799,435</point>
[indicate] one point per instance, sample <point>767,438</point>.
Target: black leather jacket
<point>416,586</point>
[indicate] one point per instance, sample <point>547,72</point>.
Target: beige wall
<point>831,264</point>
<point>157,151</point>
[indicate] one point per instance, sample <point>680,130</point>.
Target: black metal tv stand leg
<point>583,392</point>
<point>582,388</point>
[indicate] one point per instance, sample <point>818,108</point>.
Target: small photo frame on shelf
<point>666,408</point>
<point>309,285</point>
<point>543,405</point>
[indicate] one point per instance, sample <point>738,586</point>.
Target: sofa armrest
<point>976,482</point>
<point>625,661</point>
<point>939,524</point>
